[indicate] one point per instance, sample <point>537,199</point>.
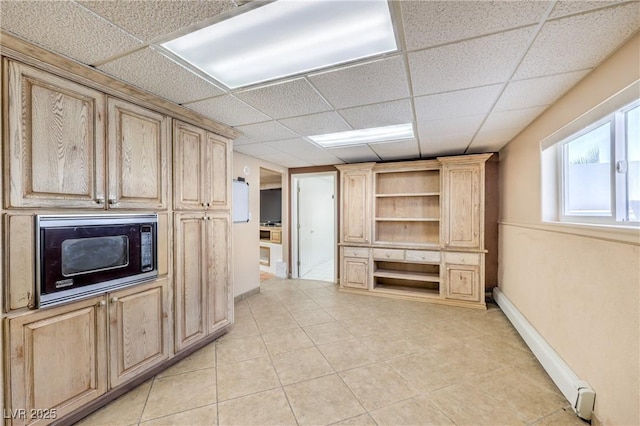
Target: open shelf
<point>408,182</point>
<point>406,290</point>
<point>407,275</point>
<point>409,194</point>
<point>408,232</point>
<point>408,219</point>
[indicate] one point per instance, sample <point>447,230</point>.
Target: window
<point>599,168</point>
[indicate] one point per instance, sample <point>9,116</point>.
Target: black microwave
<point>82,255</point>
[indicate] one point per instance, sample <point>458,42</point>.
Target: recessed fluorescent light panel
<point>287,37</point>
<point>359,137</point>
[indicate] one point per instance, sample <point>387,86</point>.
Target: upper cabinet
<point>56,150</point>
<point>137,141</point>
<point>201,165</point>
<point>463,189</point>
<point>56,141</point>
<point>355,187</point>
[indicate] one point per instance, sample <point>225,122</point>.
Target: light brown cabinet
<point>55,152</point>
<point>57,155</point>
<point>432,229</point>
<point>201,169</point>
<point>202,277</point>
<point>138,157</point>
<point>59,357</point>
<point>355,187</point>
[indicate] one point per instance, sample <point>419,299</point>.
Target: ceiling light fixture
<point>287,37</point>
<point>358,137</point>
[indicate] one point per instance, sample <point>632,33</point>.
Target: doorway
<point>271,235</point>
<point>314,230</point>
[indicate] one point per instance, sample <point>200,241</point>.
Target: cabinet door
<point>56,141</point>
<point>218,276</point>
<point>356,273</point>
<point>463,282</point>
<point>138,330</point>
<point>137,145</point>
<point>189,158</point>
<point>462,203</point>
<point>57,358</point>
<point>356,222</point>
<point>190,279</point>
<point>217,172</point>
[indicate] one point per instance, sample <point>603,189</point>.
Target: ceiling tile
<point>580,41</point>
<point>265,132</point>
<point>400,150</point>
<point>148,19</point>
<point>304,150</point>
<point>494,140</point>
<point>450,136</point>
<point>288,99</point>
<point>256,149</point>
<point>450,145</point>
<point>49,24</point>
<point>154,72</point>
<point>354,154</point>
<point>500,127</point>
<point>242,140</point>
<point>228,110</point>
<point>471,63</point>
<point>450,21</point>
<point>379,115</point>
<point>285,160</point>
<point>570,7</point>
<point>537,91</point>
<point>369,83</point>
<point>316,124</point>
<point>459,103</point>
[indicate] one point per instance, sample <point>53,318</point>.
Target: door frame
<point>294,220</point>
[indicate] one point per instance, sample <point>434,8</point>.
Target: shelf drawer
<point>388,254</point>
<point>422,256</point>
<point>462,258</point>
<point>362,252</point>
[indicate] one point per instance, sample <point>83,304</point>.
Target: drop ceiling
<point>470,75</point>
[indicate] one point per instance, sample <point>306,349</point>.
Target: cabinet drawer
<point>462,258</point>
<point>422,256</point>
<point>388,254</point>
<point>356,252</point>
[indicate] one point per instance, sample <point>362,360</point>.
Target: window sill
<point>615,233</point>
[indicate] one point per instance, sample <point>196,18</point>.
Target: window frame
<point>618,181</point>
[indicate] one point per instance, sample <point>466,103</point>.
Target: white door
<point>316,227</point>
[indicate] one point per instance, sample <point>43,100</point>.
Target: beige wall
<point>246,236</point>
<point>582,293</point>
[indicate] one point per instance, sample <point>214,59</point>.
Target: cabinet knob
<point>99,200</point>
<point>208,217</point>
<point>204,204</point>
<point>388,254</point>
<point>208,204</point>
<point>114,299</point>
<point>355,253</point>
<point>101,303</point>
<point>112,200</point>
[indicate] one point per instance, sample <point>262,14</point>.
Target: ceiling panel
<point>256,149</point>
<point>355,154</point>
<point>316,124</point>
<point>285,160</point>
<point>304,150</point>
<point>288,99</point>
<point>369,83</point>
<point>493,140</point>
<point>459,103</point>
<point>379,115</point>
<point>570,7</point>
<point>459,20</point>
<point>537,91</point>
<point>154,72</point>
<point>450,135</point>
<point>400,150</point>
<point>229,110</point>
<point>504,125</point>
<point>148,19</point>
<point>477,62</point>
<point>580,41</point>
<point>66,28</point>
<point>448,145</point>
<point>265,132</point>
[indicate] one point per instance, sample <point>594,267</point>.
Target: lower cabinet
<point>59,357</point>
<point>463,277</point>
<point>202,279</point>
<point>355,267</point>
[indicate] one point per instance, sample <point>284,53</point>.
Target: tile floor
<point>322,272</point>
<point>301,353</point>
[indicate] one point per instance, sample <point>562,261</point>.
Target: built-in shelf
<point>408,219</point>
<point>409,194</point>
<point>407,291</point>
<point>407,275</point>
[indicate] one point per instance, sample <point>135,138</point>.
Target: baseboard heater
<point>577,392</point>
